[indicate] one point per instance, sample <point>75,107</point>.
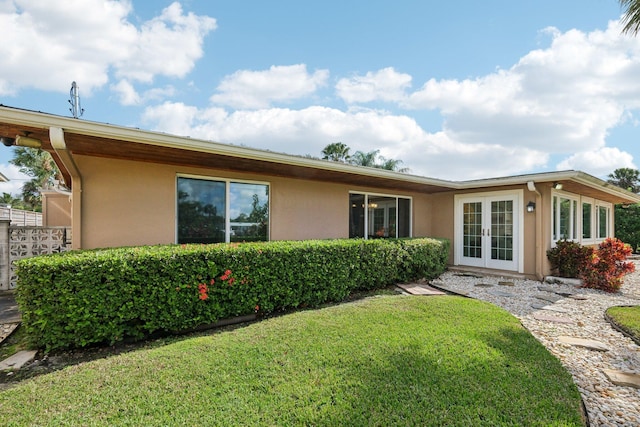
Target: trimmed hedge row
<point>79,298</point>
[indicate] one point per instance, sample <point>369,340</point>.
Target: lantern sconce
<point>531,206</point>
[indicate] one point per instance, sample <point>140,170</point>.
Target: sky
<point>455,90</point>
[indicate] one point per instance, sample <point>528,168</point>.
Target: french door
<point>488,231</point>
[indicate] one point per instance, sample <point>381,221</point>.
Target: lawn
<point>627,319</point>
<point>385,360</point>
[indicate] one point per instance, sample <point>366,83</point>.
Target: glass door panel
<point>488,232</point>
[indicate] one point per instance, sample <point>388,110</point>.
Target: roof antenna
<point>75,109</point>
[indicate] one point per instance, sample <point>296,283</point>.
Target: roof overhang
<point>572,181</point>
<point>104,140</point>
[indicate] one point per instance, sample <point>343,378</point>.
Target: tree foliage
<point>631,18</point>
<point>336,152</point>
<point>627,217</point>
<point>9,199</point>
<point>627,224</point>
<point>39,165</point>
<point>626,178</point>
<point>339,152</point>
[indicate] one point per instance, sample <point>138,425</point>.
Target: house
<point>135,187</point>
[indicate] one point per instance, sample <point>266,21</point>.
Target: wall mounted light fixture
<point>557,186</point>
<point>531,206</point>
<point>25,141</point>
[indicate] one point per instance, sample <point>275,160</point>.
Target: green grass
<point>627,319</point>
<point>387,360</point>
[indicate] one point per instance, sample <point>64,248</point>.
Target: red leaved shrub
<point>606,266</point>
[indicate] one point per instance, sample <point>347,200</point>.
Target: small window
<point>604,215</point>
<point>587,215</point>
<point>374,216</point>
<point>565,218</point>
<point>217,211</point>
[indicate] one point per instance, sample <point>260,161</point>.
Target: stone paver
<point>548,318</point>
<point>505,283</point>
<point>18,360</point>
<point>583,342</point>
<point>416,289</point>
<point>625,379</point>
<point>549,297</point>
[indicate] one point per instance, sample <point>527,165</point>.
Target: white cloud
<point>259,89</point>
<point>309,130</point>
<point>385,84</point>
<point>599,162</point>
<point>16,179</point>
<point>167,45</point>
<point>173,117</point>
<point>557,102</point>
<point>128,95</point>
<point>46,45</point>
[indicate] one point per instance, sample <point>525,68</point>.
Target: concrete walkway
<point>8,308</point>
<point>9,320</point>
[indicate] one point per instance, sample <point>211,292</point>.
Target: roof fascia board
<point>570,175</point>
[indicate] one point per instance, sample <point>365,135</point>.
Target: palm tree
<point>369,159</point>
<point>392,165</point>
<point>8,199</point>
<point>372,159</point>
<point>39,165</point>
<point>336,152</point>
<point>631,18</point>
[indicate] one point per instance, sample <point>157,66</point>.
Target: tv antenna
<point>75,109</point>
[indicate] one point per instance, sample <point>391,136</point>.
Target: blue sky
<point>457,90</point>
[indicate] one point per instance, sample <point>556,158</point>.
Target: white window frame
<point>574,221</point>
<point>609,208</point>
<point>366,195</point>
<point>576,216</point>
<point>227,208</point>
<point>592,220</point>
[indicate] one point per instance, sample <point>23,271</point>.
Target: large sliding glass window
<point>378,216</point>
<point>216,211</point>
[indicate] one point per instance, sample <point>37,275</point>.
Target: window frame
<point>574,222</point>
<point>592,222</point>
<point>576,216</point>
<point>609,211</point>
<point>227,209</point>
<point>366,218</point>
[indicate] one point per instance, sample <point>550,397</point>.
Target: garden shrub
<point>79,298</point>
<point>600,268</point>
<point>607,265</point>
<point>568,257</point>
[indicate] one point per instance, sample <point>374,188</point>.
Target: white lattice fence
<point>25,242</point>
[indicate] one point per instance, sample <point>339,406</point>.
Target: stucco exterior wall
<point>442,217</point>
<point>56,209</point>
<point>134,203</point>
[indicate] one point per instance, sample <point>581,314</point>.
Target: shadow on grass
<point>57,360</point>
<point>517,385</point>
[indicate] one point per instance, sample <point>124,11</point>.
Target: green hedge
<point>79,298</point>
